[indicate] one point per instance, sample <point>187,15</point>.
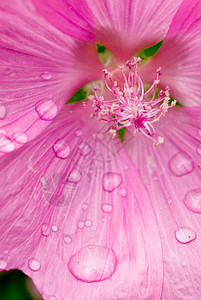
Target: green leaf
<point>79,96</point>
<point>150,51</point>
<point>121,132</point>
<point>100,48</point>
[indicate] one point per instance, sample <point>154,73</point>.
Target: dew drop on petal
<point>84,206</point>
<point>47,110</point>
<point>74,176</point>
<point>2,111</point>
<point>61,149</point>
<point>107,208</point>
<point>88,223</point>
<point>185,235</point>
<point>85,149</point>
<point>199,149</point>
<point>34,264</point>
<point>54,228</point>
<point>93,263</point>
<point>45,230</point>
<point>67,239</point>
<point>3,264</point>
<point>20,137</point>
<point>192,200</point>
<point>6,145</point>
<point>46,75</point>
<point>181,164</point>
<point>123,192</point>
<point>78,132</point>
<point>111,181</point>
<point>80,224</point>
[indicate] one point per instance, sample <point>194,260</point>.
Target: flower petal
<point>180,55</point>
<point>172,175</point>
<point>40,69</point>
<point>124,27</point>
<point>76,216</point>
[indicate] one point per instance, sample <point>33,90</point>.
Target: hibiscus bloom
<point>87,216</point>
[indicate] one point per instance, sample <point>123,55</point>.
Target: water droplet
<point>192,200</point>
<point>111,181</point>
<point>45,230</point>
<point>88,223</point>
<point>181,164</point>
<point>199,149</point>
<point>185,235</point>
<point>6,251</point>
<point>2,111</point>
<point>93,263</point>
<point>34,264</point>
<point>46,110</point>
<point>6,145</point>
<point>80,224</point>
<point>3,264</point>
<point>67,239</point>
<point>2,132</point>
<point>107,208</point>
<point>123,192</point>
<point>20,137</point>
<point>85,149</point>
<point>74,176</point>
<point>78,132</point>
<point>46,75</point>
<point>84,206</point>
<point>61,149</point>
<point>54,228</point>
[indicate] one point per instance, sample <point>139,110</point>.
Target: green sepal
<point>150,51</point>
<point>78,96</point>
<point>121,133</point>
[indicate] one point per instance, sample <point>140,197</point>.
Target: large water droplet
<point>67,239</point>
<point>61,149</point>
<point>46,75</point>
<point>5,144</point>
<point>2,111</point>
<point>20,137</point>
<point>74,176</point>
<point>3,264</point>
<point>93,264</point>
<point>181,164</point>
<point>192,200</point>
<point>34,264</point>
<point>46,110</point>
<point>111,181</point>
<point>107,208</point>
<point>185,235</point>
<point>45,230</point>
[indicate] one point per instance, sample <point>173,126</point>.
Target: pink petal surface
<point>40,69</point>
<point>76,216</point>
<point>172,175</point>
<point>180,55</point>
<point>124,27</point>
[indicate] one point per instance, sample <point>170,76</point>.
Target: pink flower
<point>87,216</point>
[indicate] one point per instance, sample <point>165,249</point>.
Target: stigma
<point>128,105</point>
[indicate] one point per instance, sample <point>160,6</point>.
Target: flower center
<point>131,106</point>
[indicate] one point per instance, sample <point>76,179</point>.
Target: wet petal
<point>180,55</point>
<point>40,69</point>
<point>172,175</point>
<point>81,225</point>
<point>124,27</point>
